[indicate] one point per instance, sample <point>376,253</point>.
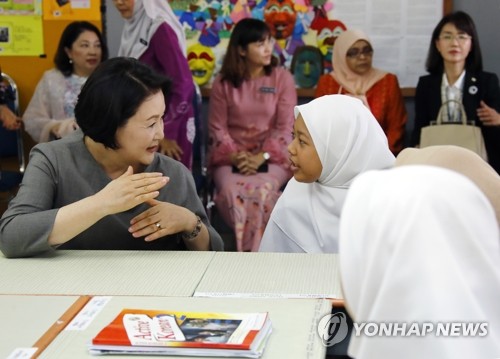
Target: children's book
<point>164,332</point>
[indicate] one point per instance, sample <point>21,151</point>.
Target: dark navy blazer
<point>477,86</point>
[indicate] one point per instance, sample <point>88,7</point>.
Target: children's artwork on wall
<point>201,61</point>
<point>399,37</point>
<point>327,33</point>
<point>208,25</point>
<point>307,66</point>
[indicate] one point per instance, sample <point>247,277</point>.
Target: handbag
<point>458,134</point>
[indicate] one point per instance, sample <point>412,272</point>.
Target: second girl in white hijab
<point>335,138</point>
<point>419,245</point>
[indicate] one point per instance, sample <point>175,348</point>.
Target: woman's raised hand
<point>130,190</point>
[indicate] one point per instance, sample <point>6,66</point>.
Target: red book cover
<point>138,328</point>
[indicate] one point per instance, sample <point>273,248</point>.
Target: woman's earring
<point>70,61</point>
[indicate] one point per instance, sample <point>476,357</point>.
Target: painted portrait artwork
<point>295,25</point>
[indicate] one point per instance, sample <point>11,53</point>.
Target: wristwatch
<point>191,236</point>
<point>266,156</point>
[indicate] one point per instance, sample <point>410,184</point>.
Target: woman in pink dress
<point>250,124</point>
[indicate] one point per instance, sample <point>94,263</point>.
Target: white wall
<point>486,16</point>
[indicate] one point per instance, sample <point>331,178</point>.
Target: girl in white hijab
<point>420,244</point>
<point>335,138</point>
<point>153,35</point>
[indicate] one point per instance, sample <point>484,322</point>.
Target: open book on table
<point>164,332</point>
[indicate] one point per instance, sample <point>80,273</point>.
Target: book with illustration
<point>164,332</point>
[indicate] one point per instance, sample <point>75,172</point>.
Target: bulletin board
<point>399,30</point>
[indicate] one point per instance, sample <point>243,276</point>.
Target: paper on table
<point>83,319</point>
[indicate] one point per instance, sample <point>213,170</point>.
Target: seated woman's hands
<point>162,219</point>
<point>9,120</point>
<point>64,127</point>
<point>246,162</point>
<point>170,148</point>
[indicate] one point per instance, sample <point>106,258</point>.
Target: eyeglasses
<point>357,52</point>
<point>461,38</point>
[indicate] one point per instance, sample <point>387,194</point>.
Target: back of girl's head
<point>112,94</point>
<point>412,230</point>
<point>244,33</point>
<point>68,37</point>
<point>463,22</point>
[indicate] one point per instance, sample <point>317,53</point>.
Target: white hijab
<point>420,244</point>
<point>349,141</point>
<point>148,15</point>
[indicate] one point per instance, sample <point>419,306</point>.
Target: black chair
<point>199,144</point>
<point>11,144</point>
<point>202,179</point>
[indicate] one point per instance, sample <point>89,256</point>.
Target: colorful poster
<point>21,32</point>
<point>72,10</point>
<point>21,35</point>
<point>20,7</point>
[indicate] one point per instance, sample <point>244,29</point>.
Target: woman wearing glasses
<point>455,69</point>
<point>353,74</point>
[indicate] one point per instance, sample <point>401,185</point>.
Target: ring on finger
<point>158,226</point>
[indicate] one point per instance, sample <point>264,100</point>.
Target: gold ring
<point>158,226</point>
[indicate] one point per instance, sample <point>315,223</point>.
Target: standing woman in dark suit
<point>455,69</point>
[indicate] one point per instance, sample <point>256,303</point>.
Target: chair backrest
<point>11,142</point>
<point>202,129</point>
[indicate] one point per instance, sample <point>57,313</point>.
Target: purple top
<point>165,56</point>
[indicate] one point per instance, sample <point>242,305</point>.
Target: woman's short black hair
<point>112,95</point>
<point>244,33</point>
<point>462,22</point>
<point>68,37</point>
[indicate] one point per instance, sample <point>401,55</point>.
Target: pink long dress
<point>257,116</point>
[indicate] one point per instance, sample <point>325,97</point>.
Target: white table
<point>74,272</point>
<point>278,275</point>
<point>26,318</point>
<point>294,324</point>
